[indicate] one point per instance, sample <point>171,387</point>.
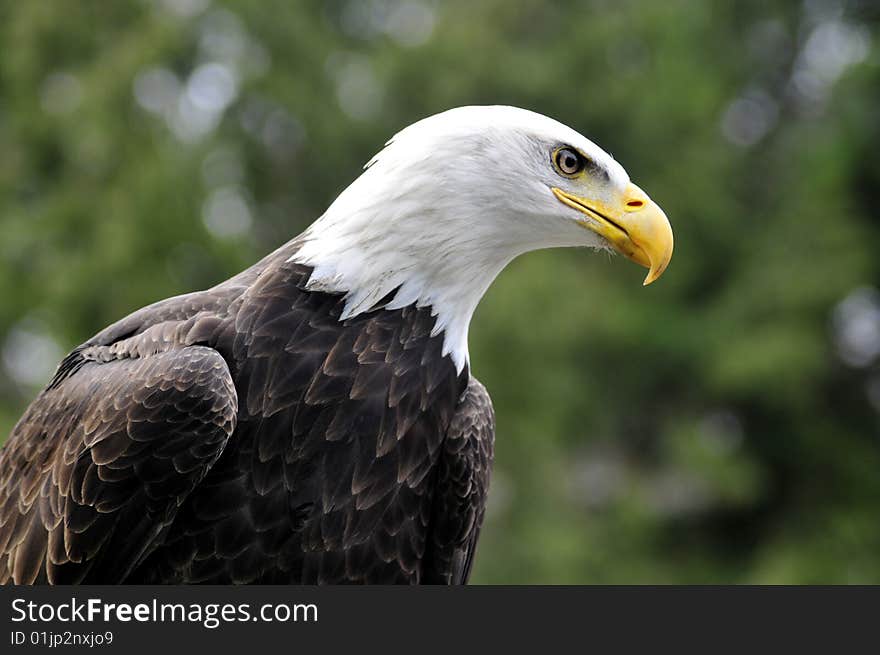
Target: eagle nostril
<point>635,204</point>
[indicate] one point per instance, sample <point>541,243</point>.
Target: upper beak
<point>635,226</point>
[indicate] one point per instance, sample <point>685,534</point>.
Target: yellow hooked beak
<point>635,226</point>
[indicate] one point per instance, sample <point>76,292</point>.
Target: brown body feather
<point>245,434</point>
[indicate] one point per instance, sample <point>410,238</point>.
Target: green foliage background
<point>718,426</point>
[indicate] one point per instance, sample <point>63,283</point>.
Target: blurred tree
<point>720,426</point>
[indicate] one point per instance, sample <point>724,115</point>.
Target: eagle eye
<point>568,161</point>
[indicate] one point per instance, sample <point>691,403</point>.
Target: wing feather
<point>101,460</point>
<point>461,488</point>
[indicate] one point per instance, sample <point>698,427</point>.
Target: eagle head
<point>452,199</point>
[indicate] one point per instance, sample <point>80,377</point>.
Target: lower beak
<point>637,228</point>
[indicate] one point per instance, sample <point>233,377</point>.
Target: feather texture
<point>250,434</point>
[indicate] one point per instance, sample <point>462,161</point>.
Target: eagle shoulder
<point>100,462</point>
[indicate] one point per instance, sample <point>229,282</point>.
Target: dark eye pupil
<point>568,161</point>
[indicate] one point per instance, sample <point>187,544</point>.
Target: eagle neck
<point>384,246</point>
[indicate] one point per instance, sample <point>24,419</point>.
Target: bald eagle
<point>313,419</point>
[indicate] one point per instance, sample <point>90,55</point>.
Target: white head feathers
<point>442,209</point>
